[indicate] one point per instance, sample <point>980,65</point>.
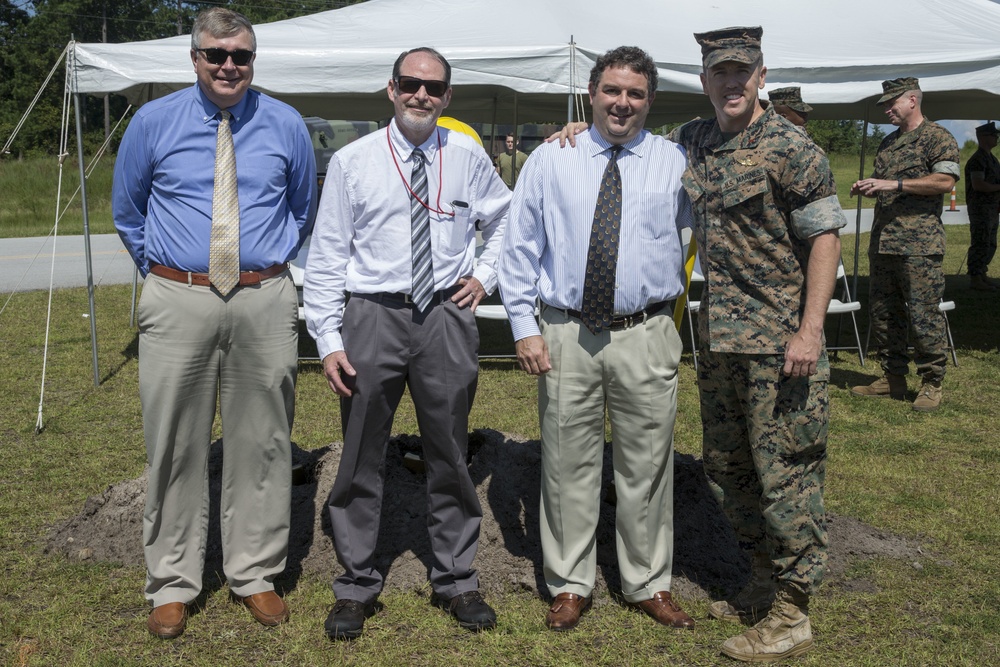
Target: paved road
<point>25,263</point>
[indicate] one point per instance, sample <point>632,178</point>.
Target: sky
<point>964,130</point>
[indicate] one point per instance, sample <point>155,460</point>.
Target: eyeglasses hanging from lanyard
<point>406,182</point>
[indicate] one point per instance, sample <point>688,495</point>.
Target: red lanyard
<point>392,152</point>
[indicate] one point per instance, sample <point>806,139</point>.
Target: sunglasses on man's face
<point>241,57</point>
<point>411,84</point>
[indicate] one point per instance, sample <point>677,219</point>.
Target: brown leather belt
<point>201,279</point>
<point>627,321</point>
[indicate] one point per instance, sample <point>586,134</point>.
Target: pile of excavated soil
<point>506,472</point>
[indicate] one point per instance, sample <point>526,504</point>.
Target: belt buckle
<point>408,299</point>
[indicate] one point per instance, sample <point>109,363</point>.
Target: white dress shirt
<point>545,247</point>
<point>361,241</point>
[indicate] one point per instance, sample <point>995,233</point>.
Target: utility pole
<point>180,23</point>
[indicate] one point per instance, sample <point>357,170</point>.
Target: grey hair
<point>221,22</point>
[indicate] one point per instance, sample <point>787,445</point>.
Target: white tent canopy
<point>337,63</point>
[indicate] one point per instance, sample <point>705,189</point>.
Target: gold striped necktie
<point>224,249</point>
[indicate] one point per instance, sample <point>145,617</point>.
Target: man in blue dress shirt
<point>623,360</point>
<point>208,334</point>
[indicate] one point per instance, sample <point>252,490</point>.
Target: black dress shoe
<point>347,619</point>
<point>471,610</point>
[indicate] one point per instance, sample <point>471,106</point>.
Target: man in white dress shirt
<point>396,231</point>
<point>606,340</point>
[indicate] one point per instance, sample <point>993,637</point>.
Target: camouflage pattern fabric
<point>765,457</point>
<point>907,224</point>
<point>983,211</point>
<point>756,199</point>
<point>910,226</point>
<point>896,281</point>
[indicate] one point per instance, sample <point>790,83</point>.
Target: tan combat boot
<point>929,398</point>
<point>754,601</point>
<point>783,634</point>
<point>890,384</point>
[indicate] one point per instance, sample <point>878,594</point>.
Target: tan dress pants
<point>633,374</point>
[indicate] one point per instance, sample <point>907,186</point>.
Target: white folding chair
<point>844,306</point>
<point>297,267</point>
<point>944,307</point>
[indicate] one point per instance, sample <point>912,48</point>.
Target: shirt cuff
<point>818,216</point>
<point>524,327</point>
<point>946,167</point>
<point>328,344</point>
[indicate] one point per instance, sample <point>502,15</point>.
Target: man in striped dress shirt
<point>625,362</point>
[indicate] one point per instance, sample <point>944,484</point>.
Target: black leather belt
<point>401,299</point>
<point>626,321</point>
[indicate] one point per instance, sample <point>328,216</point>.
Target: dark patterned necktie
<point>602,258</point>
<point>420,235</point>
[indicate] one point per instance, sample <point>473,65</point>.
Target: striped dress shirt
<point>544,252</point>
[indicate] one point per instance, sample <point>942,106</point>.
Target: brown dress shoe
<point>167,621</point>
<point>566,610</point>
<point>266,607</point>
<point>663,608</point>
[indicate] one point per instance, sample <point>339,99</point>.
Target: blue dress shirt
<point>165,175</point>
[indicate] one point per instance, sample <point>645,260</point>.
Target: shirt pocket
<point>657,215</point>
<point>455,232</point>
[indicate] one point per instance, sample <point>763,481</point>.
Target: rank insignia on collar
<point>749,162</point>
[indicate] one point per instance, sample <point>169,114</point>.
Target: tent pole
<point>857,223</point>
<point>513,158</point>
<point>493,128</point>
<point>572,79</point>
<point>77,99</point>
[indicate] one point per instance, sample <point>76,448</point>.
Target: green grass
<point>931,478</point>
<point>29,189</point>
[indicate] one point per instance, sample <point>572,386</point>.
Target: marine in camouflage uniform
<point>764,205</point>
<point>787,102</point>
<point>982,196</point>
<point>914,167</point>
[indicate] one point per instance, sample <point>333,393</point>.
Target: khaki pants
<point>632,373</point>
<point>196,347</point>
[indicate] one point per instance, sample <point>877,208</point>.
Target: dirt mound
<point>506,472</point>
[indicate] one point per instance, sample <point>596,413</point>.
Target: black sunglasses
<point>411,84</point>
<point>241,57</point>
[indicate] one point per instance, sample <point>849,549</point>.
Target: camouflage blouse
<point>757,198</point>
<point>907,224</point>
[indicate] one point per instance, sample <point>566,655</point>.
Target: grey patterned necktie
<point>602,258</point>
<point>224,247</point>
<point>420,235</point>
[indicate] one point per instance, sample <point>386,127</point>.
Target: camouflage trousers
<point>764,448</point>
<point>904,295</point>
<point>983,244</point>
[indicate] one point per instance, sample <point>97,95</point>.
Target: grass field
<point>931,478</point>
<point>29,189</point>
